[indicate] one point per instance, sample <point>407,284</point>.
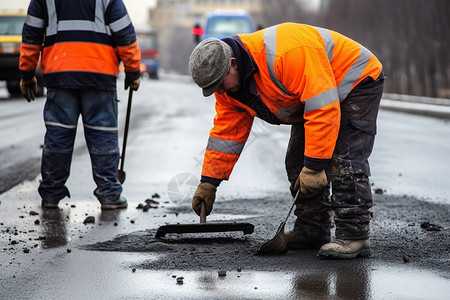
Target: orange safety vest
<point>81,43</point>
<point>303,72</point>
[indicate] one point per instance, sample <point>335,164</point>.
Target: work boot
<point>296,240</point>
<point>50,205</point>
<point>119,203</point>
<point>345,249</point>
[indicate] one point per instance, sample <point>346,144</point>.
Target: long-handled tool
<point>121,172</point>
<point>246,228</point>
<point>278,244</point>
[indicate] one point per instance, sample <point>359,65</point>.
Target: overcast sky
<point>138,9</point>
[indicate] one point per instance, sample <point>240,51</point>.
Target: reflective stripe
<point>101,128</point>
<point>60,125</point>
<point>270,43</point>
<point>81,25</point>
<point>34,22</point>
<point>52,18</point>
<point>354,73</point>
<point>224,146</point>
<point>329,42</point>
<point>85,125</point>
<point>120,24</point>
<point>100,8</point>
<point>321,100</point>
<point>97,26</point>
<point>327,97</point>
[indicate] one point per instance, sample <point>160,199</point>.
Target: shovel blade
<point>277,245</point>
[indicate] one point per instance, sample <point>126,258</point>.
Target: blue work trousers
<point>99,114</point>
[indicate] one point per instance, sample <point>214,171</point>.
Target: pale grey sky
<point>138,10</point>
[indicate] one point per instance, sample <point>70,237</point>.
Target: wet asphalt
<point>81,252</point>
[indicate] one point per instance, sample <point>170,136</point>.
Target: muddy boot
<point>351,201</point>
<point>313,224</point>
<point>344,249</point>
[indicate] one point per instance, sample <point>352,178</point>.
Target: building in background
<point>175,19</point>
<point>186,13</point>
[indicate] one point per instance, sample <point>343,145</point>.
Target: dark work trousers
<point>98,110</point>
<point>348,171</point>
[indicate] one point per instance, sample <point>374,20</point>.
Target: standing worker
<point>81,43</point>
<point>329,88</point>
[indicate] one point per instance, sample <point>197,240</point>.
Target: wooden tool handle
<point>202,213</point>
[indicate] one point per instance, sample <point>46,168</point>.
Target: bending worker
<point>81,44</point>
<point>329,88</point>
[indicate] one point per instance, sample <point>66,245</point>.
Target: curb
<point>426,106</point>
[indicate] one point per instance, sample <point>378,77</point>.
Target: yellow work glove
<point>310,181</point>
<point>206,192</point>
<point>133,84</point>
<point>28,88</point>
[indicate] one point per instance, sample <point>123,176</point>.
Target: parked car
<point>223,23</point>
<point>148,43</point>
<point>11,24</point>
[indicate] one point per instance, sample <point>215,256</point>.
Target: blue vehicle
<point>221,24</point>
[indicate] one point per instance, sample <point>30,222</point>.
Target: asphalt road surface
<point>56,254</point>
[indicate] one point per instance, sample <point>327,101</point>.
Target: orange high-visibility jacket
<point>302,72</point>
<point>80,42</point>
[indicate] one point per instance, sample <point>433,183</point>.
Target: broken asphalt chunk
<point>431,227</point>
<point>222,273</point>
<point>90,219</point>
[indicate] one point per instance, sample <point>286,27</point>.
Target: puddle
<point>94,275</point>
<point>383,283</point>
<point>406,283</point>
<point>59,267</point>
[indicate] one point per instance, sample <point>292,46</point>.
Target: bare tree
<point>410,37</point>
<point>177,48</point>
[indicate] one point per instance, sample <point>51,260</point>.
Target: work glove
<point>28,87</point>
<point>133,84</point>
<point>206,192</point>
<point>310,181</point>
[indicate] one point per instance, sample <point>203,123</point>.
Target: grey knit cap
<point>209,63</point>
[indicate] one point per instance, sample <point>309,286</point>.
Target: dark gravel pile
<point>399,235</point>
